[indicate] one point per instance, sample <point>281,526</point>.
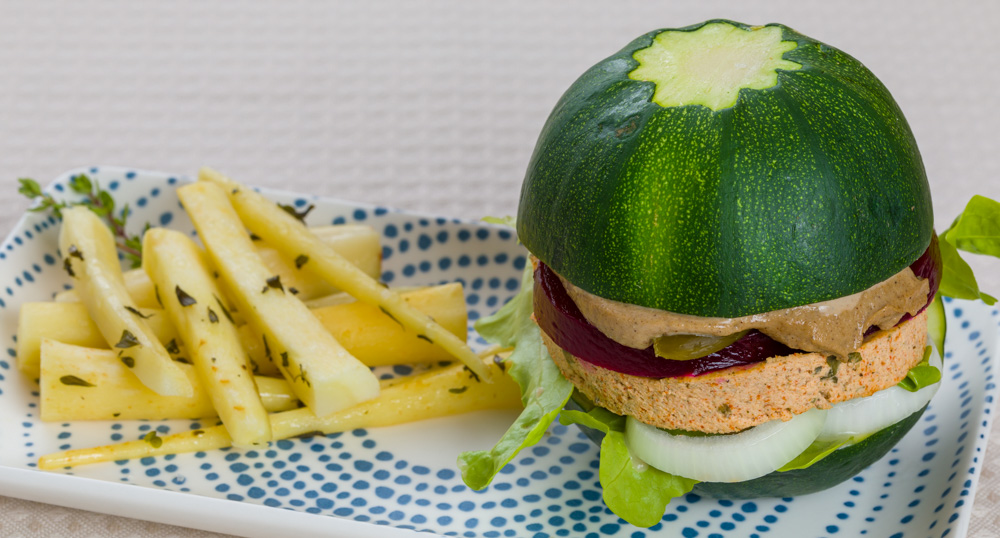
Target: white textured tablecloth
<point>429,106</point>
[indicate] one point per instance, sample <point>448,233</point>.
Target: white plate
<point>391,481</point>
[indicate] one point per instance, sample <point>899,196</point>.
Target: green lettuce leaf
<point>817,451</point>
<point>544,390</point>
<point>957,279</point>
<point>922,375</point>
<point>639,494</point>
<point>976,230</point>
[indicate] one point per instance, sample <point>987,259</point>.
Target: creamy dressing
<point>834,327</point>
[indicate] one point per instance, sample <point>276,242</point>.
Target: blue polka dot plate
<point>401,481</point>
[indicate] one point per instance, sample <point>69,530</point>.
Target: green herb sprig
<point>97,200</point>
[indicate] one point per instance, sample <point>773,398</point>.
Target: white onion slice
<point>725,458</point>
<point>864,416</point>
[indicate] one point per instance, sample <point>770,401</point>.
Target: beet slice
<point>560,318</point>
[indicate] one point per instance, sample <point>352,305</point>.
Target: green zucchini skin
<point>803,192</point>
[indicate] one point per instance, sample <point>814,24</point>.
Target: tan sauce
<point>834,327</point>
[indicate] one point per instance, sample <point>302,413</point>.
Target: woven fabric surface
<point>428,106</point>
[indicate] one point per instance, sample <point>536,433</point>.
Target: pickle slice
<point>684,347</point>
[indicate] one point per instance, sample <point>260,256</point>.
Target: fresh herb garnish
<point>127,340</point>
<point>183,297</point>
<point>459,390</point>
<point>274,283</point>
<point>72,380</point>
<point>172,347</point>
<point>301,217</point>
<point>128,361</point>
<point>136,312</point>
<point>97,200</point>
<point>425,337</point>
<point>386,312</point>
<point>225,311</point>
<point>301,260</point>
<point>284,359</point>
<point>212,317</point>
<point>154,440</point>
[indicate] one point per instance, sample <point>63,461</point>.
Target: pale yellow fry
<point>92,257</point>
<point>358,243</point>
<point>80,383</point>
<point>176,443</point>
<point>442,392</point>
<point>376,339</point>
<point>176,266</point>
<point>70,323</point>
<point>137,284</point>
<point>323,375</point>
<point>291,237</point>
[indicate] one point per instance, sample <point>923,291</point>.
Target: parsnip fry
<point>376,339</point>
<point>324,376</point>
<point>137,284</point>
<point>359,244</point>
<point>91,259</point>
<point>373,337</point>
<point>69,323</point>
<point>287,234</point>
<point>442,392</point>
<point>80,383</point>
<point>206,327</point>
<point>177,443</point>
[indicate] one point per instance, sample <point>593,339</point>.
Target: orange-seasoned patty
<point>737,398</point>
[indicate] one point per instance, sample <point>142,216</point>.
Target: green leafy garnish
<point>544,391</point>
<point>97,200</point>
<point>922,375</point>
<point>976,230</point>
<point>72,380</point>
<point>637,493</point>
<point>154,440</point>
<point>301,217</point>
<point>127,340</point>
<point>817,451</point>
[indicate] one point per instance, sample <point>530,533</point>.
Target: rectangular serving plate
<point>394,481</point>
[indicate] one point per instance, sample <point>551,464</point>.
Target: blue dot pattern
<point>405,476</point>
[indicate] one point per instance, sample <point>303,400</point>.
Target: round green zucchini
<point>726,170</point>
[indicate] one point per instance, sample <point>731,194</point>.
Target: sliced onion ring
<point>725,458</point>
<point>864,416</point>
